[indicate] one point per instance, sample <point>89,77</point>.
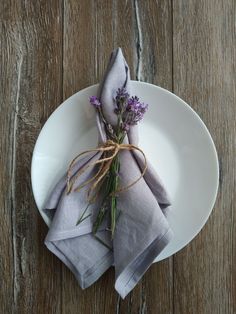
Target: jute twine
<point>109,150</point>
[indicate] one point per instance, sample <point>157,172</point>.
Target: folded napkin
<point>142,230</point>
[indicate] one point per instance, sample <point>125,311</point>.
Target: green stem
<point>112,183</point>
<point>114,186</point>
<point>99,219</point>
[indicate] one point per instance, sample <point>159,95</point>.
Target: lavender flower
<point>129,111</point>
<point>121,99</point>
<point>134,111</point>
<point>94,101</point>
<point>122,95</point>
<point>125,127</point>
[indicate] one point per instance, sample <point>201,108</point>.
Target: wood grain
<point>87,46</point>
<point>31,90</point>
<point>51,49</point>
<point>152,22</point>
<point>204,75</point>
<point>6,168</point>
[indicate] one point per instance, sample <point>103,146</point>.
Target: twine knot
<point>109,150</point>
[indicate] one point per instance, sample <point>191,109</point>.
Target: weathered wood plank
<point>88,41</point>
<point>151,56</point>
<point>204,75</point>
<point>6,169</point>
<point>31,89</point>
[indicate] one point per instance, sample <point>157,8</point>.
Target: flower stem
<point>114,186</point>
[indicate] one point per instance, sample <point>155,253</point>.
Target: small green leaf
<point>99,219</point>
<point>82,218</point>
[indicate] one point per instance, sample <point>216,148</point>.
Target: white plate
<point>173,137</point>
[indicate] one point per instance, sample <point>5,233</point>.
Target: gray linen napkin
<point>142,230</point>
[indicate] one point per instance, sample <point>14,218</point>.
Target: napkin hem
<point>76,232</point>
<point>126,281</point>
<point>67,234</point>
<point>90,275</point>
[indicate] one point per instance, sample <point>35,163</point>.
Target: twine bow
<point>109,150</point>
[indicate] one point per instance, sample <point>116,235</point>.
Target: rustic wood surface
<point>51,49</point>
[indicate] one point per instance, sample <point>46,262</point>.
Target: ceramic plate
<point>173,137</point>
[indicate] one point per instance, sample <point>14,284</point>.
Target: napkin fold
<point>142,230</point>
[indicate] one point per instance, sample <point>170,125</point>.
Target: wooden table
<point>50,50</point>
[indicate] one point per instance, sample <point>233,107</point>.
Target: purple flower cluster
<point>135,110</point>
<point>94,101</point>
<point>130,108</point>
<point>122,96</point>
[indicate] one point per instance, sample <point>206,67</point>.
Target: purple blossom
<point>134,111</point>
<point>94,101</point>
<point>129,111</point>
<point>121,99</point>
<point>122,95</point>
<point>125,127</point>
